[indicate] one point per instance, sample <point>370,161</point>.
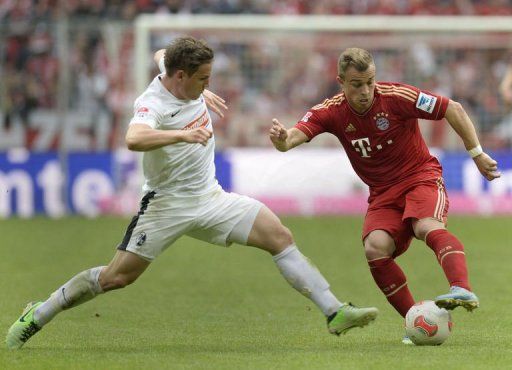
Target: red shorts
<point>394,209</point>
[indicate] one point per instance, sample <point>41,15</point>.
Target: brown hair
<point>188,54</point>
<point>360,59</point>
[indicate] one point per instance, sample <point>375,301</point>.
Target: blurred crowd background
<point>70,64</point>
<point>35,10</point>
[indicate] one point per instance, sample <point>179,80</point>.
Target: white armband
<point>161,64</point>
<point>476,151</point>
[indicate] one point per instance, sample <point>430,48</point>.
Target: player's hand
<point>487,166</point>
<point>507,96</point>
<point>198,135</point>
<point>278,133</point>
<point>215,103</point>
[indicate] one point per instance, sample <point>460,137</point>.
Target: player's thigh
<point>160,221</point>
<point>225,219</point>
<point>388,220</point>
<point>268,233</point>
<point>427,200</point>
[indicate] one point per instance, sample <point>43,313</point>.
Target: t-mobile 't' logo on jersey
<point>362,146</point>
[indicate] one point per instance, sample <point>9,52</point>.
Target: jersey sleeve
<point>420,103</point>
<point>314,122</point>
<point>145,113</point>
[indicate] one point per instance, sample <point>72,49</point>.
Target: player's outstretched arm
<point>283,139</point>
<point>461,123</point>
<point>142,138</point>
<point>506,86</point>
<point>213,101</point>
<point>158,58</point>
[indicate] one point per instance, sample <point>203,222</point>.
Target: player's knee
<point>422,227</point>
<point>378,244</point>
<point>270,235</point>
<point>123,281</point>
<point>372,252</point>
<point>287,237</point>
<point>282,238</point>
<point>117,281</point>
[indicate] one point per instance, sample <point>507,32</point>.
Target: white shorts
<point>218,218</point>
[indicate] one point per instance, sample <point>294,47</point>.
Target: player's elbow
<point>455,107</point>
<point>132,142</point>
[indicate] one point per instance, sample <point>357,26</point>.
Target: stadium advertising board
<point>44,183</point>
<point>321,181</point>
<point>316,181</point>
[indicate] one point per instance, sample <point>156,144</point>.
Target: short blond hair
<point>358,58</point>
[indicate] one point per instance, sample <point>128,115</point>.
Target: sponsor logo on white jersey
<point>426,102</point>
<point>202,121</point>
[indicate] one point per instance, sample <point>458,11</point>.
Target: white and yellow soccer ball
<point>427,324</point>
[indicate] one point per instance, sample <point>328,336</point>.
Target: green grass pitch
<point>205,307</point>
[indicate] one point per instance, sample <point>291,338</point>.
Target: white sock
<point>80,289</point>
<point>306,279</point>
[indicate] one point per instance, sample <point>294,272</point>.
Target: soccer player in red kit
<point>377,124</point>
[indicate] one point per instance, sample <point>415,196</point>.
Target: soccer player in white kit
<point>173,128</point>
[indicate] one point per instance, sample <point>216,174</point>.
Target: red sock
<point>450,255</point>
<point>392,282</point>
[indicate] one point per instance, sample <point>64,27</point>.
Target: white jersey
<point>182,169</point>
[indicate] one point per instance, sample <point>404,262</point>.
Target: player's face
<point>193,86</point>
<point>359,88</point>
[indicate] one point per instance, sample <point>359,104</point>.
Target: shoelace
<point>29,331</point>
<point>349,305</point>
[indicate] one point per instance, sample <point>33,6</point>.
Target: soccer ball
<point>427,324</point>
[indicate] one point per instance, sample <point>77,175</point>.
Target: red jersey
<point>384,144</point>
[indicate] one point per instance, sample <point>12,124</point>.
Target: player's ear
<point>180,74</point>
<point>340,80</point>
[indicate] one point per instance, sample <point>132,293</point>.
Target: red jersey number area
<point>393,210</point>
<point>384,144</point>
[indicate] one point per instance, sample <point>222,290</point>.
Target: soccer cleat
<point>458,297</point>
<point>24,328</point>
<point>350,316</point>
<point>406,340</point>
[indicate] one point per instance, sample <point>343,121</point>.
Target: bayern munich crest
<point>381,121</point>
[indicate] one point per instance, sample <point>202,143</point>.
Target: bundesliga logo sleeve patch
<point>426,102</point>
<point>142,112</point>
<point>306,117</point>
